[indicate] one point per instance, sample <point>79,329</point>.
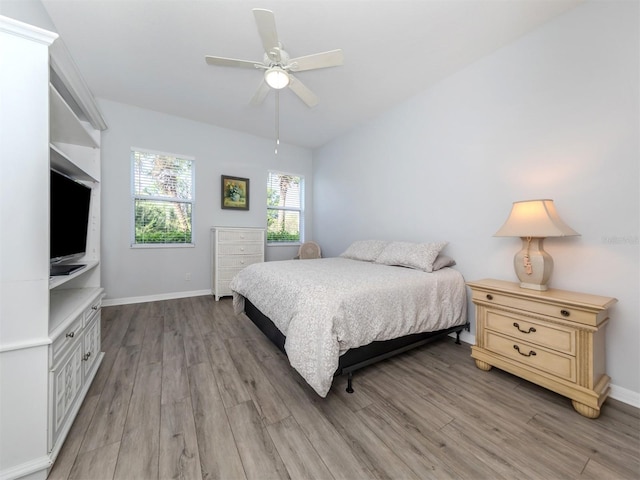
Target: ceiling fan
<point>278,67</point>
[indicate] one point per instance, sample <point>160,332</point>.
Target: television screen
<point>68,217</point>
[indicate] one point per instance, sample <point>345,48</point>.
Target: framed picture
<point>235,193</point>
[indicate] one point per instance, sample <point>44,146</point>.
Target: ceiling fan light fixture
<point>276,78</point>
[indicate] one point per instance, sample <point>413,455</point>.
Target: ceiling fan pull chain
<point>277,120</point>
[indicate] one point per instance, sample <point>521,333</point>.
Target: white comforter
<point>325,307</point>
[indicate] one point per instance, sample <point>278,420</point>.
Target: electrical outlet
<point>187,277</point>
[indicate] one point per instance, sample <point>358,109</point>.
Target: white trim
<point>164,154</point>
<point>625,396</point>
<point>466,337</point>
<point>163,245</point>
<point>110,302</point>
<point>24,30</point>
<point>9,347</point>
<point>40,464</point>
<point>65,68</point>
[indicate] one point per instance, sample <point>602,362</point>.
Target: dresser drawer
<point>63,342</point>
<point>534,306</point>
<point>240,249</point>
<point>554,337</point>
<point>534,356</point>
<point>92,310</point>
<point>238,261</point>
<point>225,275</point>
<point>236,236</point>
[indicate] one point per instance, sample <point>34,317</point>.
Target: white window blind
<point>285,213</point>
<point>162,198</point>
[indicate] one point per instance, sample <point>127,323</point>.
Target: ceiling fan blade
<point>261,93</point>
<point>332,58</point>
<point>301,90</point>
<point>231,62</point>
<point>266,22</point>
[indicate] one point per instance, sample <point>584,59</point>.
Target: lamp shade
<point>276,78</point>
<point>535,219</point>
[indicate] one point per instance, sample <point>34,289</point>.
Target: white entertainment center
<point>49,327</point>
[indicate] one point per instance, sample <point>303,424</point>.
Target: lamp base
<point>533,265</point>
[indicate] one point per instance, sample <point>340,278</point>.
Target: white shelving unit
<point>74,301</point>
<point>49,327</point>
<point>66,127</point>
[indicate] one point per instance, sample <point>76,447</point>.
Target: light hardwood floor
<point>188,390</point>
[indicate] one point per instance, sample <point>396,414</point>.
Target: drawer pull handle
<point>531,329</point>
<point>530,354</point>
<point>70,334</point>
<point>489,296</point>
<point>565,313</point>
<point>95,307</point>
<point>86,357</point>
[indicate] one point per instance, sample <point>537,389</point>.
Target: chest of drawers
<point>232,250</point>
<point>555,339</point>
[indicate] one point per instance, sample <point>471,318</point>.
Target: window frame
<point>285,209</point>
<point>164,199</point>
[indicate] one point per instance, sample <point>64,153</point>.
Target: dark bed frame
<point>360,357</point>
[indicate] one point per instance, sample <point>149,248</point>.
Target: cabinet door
<point>91,343</point>
<point>66,381</point>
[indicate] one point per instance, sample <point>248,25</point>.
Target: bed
<point>332,316</point>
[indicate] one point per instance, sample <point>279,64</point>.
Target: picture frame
<point>234,193</point>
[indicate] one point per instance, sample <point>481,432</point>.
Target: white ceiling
<point>150,53</point>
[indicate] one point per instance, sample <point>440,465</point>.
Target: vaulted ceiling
<point>150,53</point>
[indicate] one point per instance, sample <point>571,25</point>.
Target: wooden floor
<point>188,390</point>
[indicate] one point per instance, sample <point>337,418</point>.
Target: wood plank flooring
<point>187,390</point>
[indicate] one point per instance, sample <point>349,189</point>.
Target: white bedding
<point>325,307</point>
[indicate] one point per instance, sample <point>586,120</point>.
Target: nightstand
<point>555,339</point>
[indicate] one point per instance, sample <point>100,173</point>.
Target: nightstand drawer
<point>554,337</point>
<point>534,356</point>
<point>535,306</point>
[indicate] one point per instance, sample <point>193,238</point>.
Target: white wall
<point>554,115</point>
<point>130,274</point>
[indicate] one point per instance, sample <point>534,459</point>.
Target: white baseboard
<point>110,302</point>
<point>35,469</point>
<point>625,396</point>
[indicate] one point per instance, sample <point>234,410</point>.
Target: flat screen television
<point>70,203</point>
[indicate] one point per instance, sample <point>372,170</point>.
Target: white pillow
<point>365,250</point>
<point>413,255</point>
<point>443,261</point>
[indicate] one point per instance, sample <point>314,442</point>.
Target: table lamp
<point>533,221</point>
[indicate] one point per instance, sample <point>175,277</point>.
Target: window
<point>162,198</point>
<point>285,213</point>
